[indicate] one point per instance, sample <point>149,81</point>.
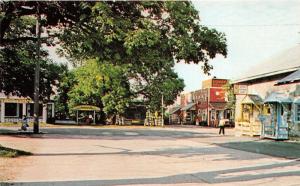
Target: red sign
<point>217,95</point>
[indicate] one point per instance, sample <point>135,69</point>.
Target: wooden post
<point>77,116</point>
<point>94,117</point>
<point>37,74</point>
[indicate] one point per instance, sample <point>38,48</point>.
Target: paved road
<point>140,156</point>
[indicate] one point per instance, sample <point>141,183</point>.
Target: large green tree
<point>18,58</point>
<point>146,37</point>
<point>149,36</point>
<point>102,84</point>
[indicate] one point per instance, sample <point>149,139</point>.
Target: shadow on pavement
<point>87,132</point>
<point>290,150</point>
<point>178,152</point>
<point>237,175</point>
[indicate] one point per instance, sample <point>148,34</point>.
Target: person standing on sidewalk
<point>222,126</point>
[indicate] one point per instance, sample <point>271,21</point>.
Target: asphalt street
<point>112,156</point>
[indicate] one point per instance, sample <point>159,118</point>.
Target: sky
<point>255,31</point>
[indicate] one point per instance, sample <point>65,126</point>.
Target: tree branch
<point>14,40</point>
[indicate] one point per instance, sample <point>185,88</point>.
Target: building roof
<point>188,106</point>
<point>276,97</point>
<point>252,99</point>
<point>290,78</point>
<point>174,109</point>
<point>287,61</point>
<point>86,108</point>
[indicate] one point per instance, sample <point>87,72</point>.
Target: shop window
<point>30,109</point>
<point>49,110</point>
<point>11,109</point>
<point>297,112</point>
<point>266,110</point>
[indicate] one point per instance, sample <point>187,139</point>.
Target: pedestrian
<point>91,119</point>
<point>222,126</point>
<point>24,123</point>
<point>197,121</point>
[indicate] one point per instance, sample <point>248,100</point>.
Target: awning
<point>297,101</point>
<point>252,99</point>
<point>188,107</point>
<point>86,108</point>
<point>290,78</point>
<point>218,106</point>
<point>276,97</point>
<point>174,109</point>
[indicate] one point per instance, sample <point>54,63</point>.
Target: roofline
<point>265,75</point>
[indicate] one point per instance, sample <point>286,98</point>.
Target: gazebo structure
<point>88,108</point>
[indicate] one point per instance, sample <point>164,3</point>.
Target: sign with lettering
<point>240,89</point>
<point>219,82</point>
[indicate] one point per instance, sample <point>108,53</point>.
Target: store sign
<point>240,89</point>
<point>16,100</point>
<point>86,108</point>
<point>217,95</point>
<point>219,82</point>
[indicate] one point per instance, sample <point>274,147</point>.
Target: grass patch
<point>12,153</point>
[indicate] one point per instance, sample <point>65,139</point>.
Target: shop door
<point>282,124</point>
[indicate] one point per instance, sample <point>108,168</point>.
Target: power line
<point>253,25</point>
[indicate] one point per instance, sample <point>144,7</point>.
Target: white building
<point>13,108</point>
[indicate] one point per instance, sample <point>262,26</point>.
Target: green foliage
<point>125,32</point>
<point>231,100</point>
<point>17,66</point>
<point>17,63</point>
<point>104,85</point>
<point>61,99</point>
<point>133,44</point>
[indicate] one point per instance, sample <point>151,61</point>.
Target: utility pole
<point>162,110</point>
<point>37,73</point>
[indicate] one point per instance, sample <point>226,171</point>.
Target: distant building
<point>268,97</point>
<point>13,108</point>
<point>187,105</point>
<point>207,105</point>
<point>211,102</point>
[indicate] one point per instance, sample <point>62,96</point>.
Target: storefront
<point>13,108</point>
<point>189,113</point>
<point>249,123</point>
<point>216,112</point>
<point>277,82</point>
<point>275,124</point>
<point>174,115</point>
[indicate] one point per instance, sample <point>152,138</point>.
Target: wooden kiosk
<point>249,123</point>
<point>86,108</point>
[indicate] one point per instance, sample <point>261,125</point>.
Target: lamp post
<point>37,74</point>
